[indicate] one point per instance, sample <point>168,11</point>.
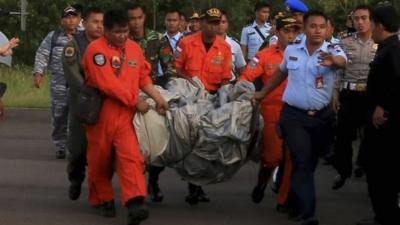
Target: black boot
<point>74,191</point>
<point>359,172</point>
<point>338,182</point>
<point>257,194</point>
<point>193,197</point>
<point>202,195</point>
<point>107,209</point>
<point>137,211</point>
<point>153,188</point>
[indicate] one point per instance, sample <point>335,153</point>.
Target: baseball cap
<point>195,15</point>
<point>69,10</point>
<point>285,22</point>
<point>211,14</point>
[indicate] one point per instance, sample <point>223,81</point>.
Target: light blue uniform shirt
<point>237,55</point>
<point>252,39</point>
<point>302,70</point>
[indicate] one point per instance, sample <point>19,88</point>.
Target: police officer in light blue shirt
<point>253,35</point>
<point>310,67</point>
<point>238,61</point>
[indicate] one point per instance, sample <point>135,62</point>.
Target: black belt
<point>311,113</point>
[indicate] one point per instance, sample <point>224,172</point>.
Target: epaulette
<point>345,34</point>
<point>235,40</point>
<point>295,42</point>
<point>331,45</point>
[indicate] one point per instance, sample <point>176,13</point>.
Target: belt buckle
<point>353,86</point>
<point>361,87</point>
<point>311,113</point>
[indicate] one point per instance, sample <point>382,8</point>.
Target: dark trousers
<point>351,118</point>
<point>154,174</point>
<point>306,137</point>
<point>382,168</point>
<point>76,142</point>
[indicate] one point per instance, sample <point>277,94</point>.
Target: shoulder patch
<point>69,51</point>
<point>99,59</point>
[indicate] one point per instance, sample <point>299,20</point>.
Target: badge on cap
<point>69,51</point>
<point>99,59</point>
<point>115,62</point>
<point>132,63</point>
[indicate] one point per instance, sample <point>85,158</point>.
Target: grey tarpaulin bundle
<point>205,138</point>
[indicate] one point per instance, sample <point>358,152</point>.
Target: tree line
<point>44,16</point>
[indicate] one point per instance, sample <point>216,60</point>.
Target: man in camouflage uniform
<point>73,71</point>
<point>161,67</point>
<point>49,53</point>
<point>352,100</point>
<point>149,40</point>
<point>169,42</point>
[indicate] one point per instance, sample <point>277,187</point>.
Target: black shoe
<point>60,154</point>
<point>155,193</point>
<point>338,182</point>
<point>368,222</point>
<point>194,194</point>
<point>202,195</point>
<point>359,172</point>
<point>137,213</point>
<point>282,208</point>
<point>310,221</point>
<point>107,209</point>
<point>74,191</point>
<point>258,193</point>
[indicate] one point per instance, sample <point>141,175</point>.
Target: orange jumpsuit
<point>212,67</point>
<point>265,63</point>
<point>118,73</point>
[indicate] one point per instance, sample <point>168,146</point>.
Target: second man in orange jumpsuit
<point>208,57</point>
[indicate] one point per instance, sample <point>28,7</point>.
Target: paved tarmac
<point>33,189</point>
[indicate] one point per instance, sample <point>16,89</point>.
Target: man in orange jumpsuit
<point>117,68</point>
<point>207,56</point>
<point>264,63</point>
<point>204,54</point>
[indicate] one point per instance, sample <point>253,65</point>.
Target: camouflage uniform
<point>166,56</point>
<point>51,55</point>
<point>74,76</point>
<point>150,45</point>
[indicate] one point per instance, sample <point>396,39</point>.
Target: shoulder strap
<point>259,33</point>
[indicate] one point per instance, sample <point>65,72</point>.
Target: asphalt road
<point>33,189</point>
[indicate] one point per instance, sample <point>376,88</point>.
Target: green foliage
<point>44,15</point>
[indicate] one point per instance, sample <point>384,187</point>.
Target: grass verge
<point>20,89</point>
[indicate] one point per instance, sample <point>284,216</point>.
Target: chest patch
<point>99,59</point>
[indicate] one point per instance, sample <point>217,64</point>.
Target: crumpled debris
<point>205,137</point>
